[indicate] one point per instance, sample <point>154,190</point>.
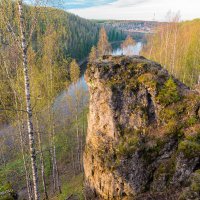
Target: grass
<point>72,187</point>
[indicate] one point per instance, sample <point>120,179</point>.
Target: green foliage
<point>191,145</point>
<point>174,128</point>
<point>168,94</point>
<point>57,37</point>
<point>166,169</point>
<point>92,55</point>
<point>7,192</point>
<point>148,80</point>
<point>7,196</point>
<point>194,137</point>
<point>12,169</point>
<point>76,35</point>
<point>168,114</point>
<point>74,71</point>
<point>189,148</point>
<point>72,187</point>
<point>192,120</point>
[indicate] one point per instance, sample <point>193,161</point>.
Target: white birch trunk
<point>174,49</point>
<point>28,181</point>
<point>28,102</point>
<point>55,159</point>
<point>42,160</point>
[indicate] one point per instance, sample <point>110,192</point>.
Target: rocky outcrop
<point>143,138</point>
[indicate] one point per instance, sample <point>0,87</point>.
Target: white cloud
<point>141,9</point>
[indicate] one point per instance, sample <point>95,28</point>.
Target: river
<point>135,50</point>
<point>62,102</point>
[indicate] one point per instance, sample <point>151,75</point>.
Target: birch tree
<point>28,100</point>
<point>42,164</point>
<point>50,54</point>
<point>176,45</point>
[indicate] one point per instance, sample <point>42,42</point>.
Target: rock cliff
<point>143,138</point>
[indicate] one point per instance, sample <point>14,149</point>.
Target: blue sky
<point>133,9</point>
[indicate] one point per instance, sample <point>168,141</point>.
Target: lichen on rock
<point>143,136</point>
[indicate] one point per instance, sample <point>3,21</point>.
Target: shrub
<point>148,80</point>
<point>169,93</point>
<point>192,120</point>
<point>7,192</point>
<point>189,148</point>
<point>129,143</point>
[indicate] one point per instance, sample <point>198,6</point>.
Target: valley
<point>97,109</point>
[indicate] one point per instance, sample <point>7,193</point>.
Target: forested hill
<point>76,35</point>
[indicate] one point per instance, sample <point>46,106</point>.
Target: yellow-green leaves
<point>177,47</point>
<point>74,71</point>
<point>93,54</point>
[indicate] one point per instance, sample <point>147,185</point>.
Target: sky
<point>132,9</point>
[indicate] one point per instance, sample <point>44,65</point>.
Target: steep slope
<point>143,137</point>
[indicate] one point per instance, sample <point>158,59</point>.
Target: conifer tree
<point>93,54</point>
<point>103,46</point>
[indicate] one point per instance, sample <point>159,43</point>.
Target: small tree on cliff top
<point>93,54</point>
<point>103,46</point>
<point>127,45</point>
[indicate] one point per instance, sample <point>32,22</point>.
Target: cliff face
<point>143,137</point>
